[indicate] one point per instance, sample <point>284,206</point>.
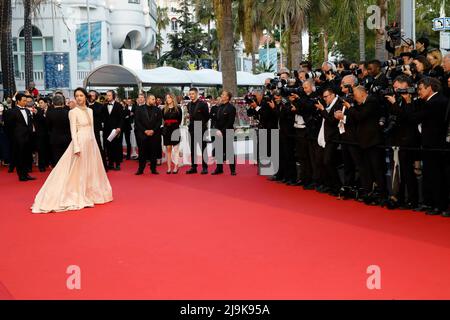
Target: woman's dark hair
<point>83,90</point>
<point>426,64</point>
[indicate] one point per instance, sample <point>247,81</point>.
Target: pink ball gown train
<point>77,181</point>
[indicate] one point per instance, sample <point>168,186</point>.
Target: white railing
<point>81,75</point>
<point>37,76</point>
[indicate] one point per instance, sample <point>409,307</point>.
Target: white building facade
<point>60,27</point>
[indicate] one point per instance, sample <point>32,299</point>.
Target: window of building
<point>40,45</point>
<point>174,25</point>
<point>134,1</point>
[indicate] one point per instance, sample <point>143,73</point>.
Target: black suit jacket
<point>313,120</point>
<point>432,115</point>
<point>198,111</point>
<point>114,120</point>
<point>366,117</point>
<point>20,131</point>
<point>226,115</point>
<point>331,130</point>
<point>98,113</point>
<point>58,125</point>
<point>147,118</point>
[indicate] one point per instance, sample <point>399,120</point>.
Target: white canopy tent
<point>110,75</point>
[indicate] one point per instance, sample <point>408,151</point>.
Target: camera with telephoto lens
<point>395,33</point>
<point>285,87</point>
<point>394,62</point>
<point>250,98</point>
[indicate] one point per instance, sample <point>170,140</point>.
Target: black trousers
<point>353,165</point>
<point>302,155</point>
<point>57,152</point>
<point>374,169</point>
<point>287,169</point>
<point>230,157</point>
<point>408,186</point>
<point>194,145</point>
<point>316,156</point>
<point>22,152</point>
<point>127,135</point>
<point>148,150</point>
<point>330,161</point>
<point>100,147</point>
<point>113,150</point>
<point>43,149</point>
<point>434,179</point>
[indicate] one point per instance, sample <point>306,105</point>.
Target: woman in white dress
<point>79,179</point>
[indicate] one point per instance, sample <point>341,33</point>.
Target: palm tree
<point>345,22</point>
<point>9,83</point>
<point>28,41</point>
<point>380,39</point>
<point>162,22</point>
<point>224,24</point>
<point>293,14</point>
<point>31,7</point>
<point>251,21</point>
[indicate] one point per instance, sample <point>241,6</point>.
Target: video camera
<point>285,87</point>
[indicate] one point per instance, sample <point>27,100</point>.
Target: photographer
<point>287,172</point>
<point>422,45</point>
<point>326,139</point>
<point>265,117</point>
<point>405,134</point>
<point>329,78</point>
<point>304,106</point>
<point>366,114</point>
<point>351,151</point>
<point>419,68</point>
<point>432,119</point>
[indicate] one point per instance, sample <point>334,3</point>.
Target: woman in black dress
<point>172,117</point>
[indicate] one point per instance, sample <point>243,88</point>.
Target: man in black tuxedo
<point>366,115</point>
<point>351,151</point>
<point>198,111</point>
<point>304,106</point>
<point>128,116</point>
<point>58,125</point>
<point>328,135</point>
<point>148,120</point>
<point>432,117</point>
<point>226,115</point>
<point>98,111</point>
<point>113,119</point>
<point>42,137</point>
<point>21,126</point>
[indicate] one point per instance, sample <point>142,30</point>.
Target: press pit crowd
<point>376,131</point>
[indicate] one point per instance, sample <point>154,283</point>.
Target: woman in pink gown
<point>79,179</point>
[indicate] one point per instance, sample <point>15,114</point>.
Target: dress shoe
<point>41,169</point>
<point>117,168</point>
<point>139,172</point>
<point>216,172</point>
<point>434,212</point>
<point>422,208</point>
<point>274,178</point>
<point>30,178</point>
<point>23,179</point>
<point>155,172</point>
<point>204,171</point>
<point>446,214</point>
<point>291,183</point>
<point>233,173</point>
<point>309,186</point>
<point>191,171</point>
<point>10,170</point>
<point>175,171</point>
<point>169,172</point>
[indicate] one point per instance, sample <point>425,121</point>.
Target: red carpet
<point>217,237</point>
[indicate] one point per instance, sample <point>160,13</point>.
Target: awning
<point>117,75</point>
